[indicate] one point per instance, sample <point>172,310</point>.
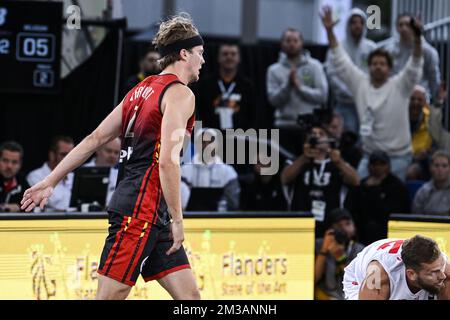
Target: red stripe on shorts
<point>166,272</point>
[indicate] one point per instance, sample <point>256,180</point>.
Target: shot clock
<point>30,46</point>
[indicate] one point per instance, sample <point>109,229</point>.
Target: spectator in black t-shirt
<point>378,196</point>
<point>12,184</point>
<point>226,100</point>
<point>317,177</point>
<point>148,66</point>
<point>262,192</point>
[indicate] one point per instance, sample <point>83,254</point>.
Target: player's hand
<point>337,250</point>
<point>178,236</point>
<point>442,94</point>
<point>328,240</point>
<point>417,27</point>
<point>327,18</point>
<point>293,80</point>
<point>335,155</point>
<point>309,152</point>
<point>37,195</point>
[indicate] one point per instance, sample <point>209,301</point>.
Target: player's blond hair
<point>178,27</point>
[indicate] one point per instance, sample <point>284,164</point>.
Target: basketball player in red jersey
<point>146,223</point>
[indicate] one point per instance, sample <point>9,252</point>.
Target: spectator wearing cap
<point>378,196</point>
<point>434,197</point>
<point>262,192</point>
<point>12,183</point>
<point>333,253</point>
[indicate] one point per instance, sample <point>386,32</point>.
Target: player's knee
<point>196,295</point>
<point>193,294</point>
<point>113,294</point>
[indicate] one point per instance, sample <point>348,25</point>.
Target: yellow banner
<point>438,231</point>
<point>235,258</point>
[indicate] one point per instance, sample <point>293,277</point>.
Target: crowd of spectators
<point>380,149</point>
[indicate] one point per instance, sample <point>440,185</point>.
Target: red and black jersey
<point>138,192</point>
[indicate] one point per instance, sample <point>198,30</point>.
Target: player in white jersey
<point>398,269</point>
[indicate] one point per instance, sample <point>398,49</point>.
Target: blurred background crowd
<point>352,155</point>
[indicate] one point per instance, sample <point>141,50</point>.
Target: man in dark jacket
<point>378,196</point>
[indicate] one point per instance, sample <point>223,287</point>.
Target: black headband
<point>181,44</point>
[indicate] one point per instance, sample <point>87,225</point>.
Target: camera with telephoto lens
<point>341,237</point>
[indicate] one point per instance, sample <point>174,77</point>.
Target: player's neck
<point>179,71</point>
<point>412,286</point>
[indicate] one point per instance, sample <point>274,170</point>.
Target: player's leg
<point>122,254</point>
<point>181,285</point>
<point>173,272</point>
<point>110,289</point>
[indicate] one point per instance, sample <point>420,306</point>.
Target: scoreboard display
<point>30,46</point>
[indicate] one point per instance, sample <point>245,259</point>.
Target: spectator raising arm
<point>347,71</point>
<point>412,72</point>
<point>437,131</point>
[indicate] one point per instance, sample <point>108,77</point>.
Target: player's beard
<point>427,287</point>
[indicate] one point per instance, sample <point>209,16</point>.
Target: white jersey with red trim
<point>388,253</point>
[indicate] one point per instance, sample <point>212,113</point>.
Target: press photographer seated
<point>333,253</point>
<point>317,176</point>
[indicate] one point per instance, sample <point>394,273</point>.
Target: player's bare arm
<point>108,130</point>
<point>376,285</point>
<point>177,107</point>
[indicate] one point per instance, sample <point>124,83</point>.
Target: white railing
<point>438,35</point>
<point>435,15</point>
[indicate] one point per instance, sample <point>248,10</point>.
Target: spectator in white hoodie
<point>382,102</point>
<point>358,48</point>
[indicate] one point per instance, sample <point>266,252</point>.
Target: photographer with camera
<point>317,176</point>
<point>333,253</point>
<point>382,102</point>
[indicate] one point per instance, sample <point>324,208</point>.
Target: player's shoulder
<point>180,91</point>
<point>376,271</point>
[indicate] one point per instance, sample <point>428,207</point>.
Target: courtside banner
<point>407,226</point>
<point>232,258</point>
